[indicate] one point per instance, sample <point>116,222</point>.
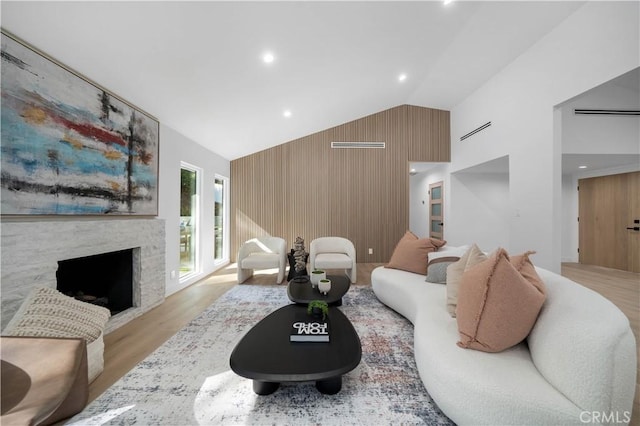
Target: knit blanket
<point>48,313</point>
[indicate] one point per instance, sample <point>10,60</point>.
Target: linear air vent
<point>357,144</point>
<point>473,132</point>
<point>607,112</point>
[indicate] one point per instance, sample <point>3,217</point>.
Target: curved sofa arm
<point>583,345</point>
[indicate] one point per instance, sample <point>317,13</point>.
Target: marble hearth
<point>31,251</point>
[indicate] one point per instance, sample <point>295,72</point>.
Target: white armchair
<point>333,253</point>
<point>262,253</point>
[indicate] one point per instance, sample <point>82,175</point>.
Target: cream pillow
<point>497,305</point>
<point>472,257</point>
<point>411,253</point>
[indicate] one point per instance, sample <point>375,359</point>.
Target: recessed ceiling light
<point>582,167</point>
<point>287,113</point>
<point>446,2</point>
<point>402,77</point>
<point>268,58</point>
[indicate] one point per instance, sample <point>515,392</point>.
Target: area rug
<point>187,381</point>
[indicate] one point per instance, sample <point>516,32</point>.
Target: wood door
<point>607,207</point>
<point>436,211</point>
<point>633,235</point>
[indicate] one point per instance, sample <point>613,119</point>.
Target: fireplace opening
<point>104,279</point>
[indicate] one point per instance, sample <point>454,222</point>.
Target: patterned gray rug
<point>187,381</point>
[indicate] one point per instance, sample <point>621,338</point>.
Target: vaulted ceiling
<point>198,66</point>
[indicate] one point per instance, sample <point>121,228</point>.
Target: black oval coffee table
<point>266,355</point>
<point>302,292</point>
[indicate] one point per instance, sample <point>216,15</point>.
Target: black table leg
<point>265,388</point>
<point>329,386</point>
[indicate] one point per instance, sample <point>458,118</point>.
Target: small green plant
<point>319,304</point>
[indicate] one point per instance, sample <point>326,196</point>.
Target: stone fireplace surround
<point>31,250</point>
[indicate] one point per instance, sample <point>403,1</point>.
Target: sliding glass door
<point>189,187</point>
<point>220,228</point>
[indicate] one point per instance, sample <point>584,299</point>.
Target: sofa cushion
<point>497,305</point>
<point>333,261</point>
<point>411,253</point>
<point>471,257</point>
<point>261,260</point>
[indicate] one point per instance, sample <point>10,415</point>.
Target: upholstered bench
<point>44,380</point>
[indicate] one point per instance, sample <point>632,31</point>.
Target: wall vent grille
<point>473,132</point>
<point>358,145</point>
<point>606,111</point>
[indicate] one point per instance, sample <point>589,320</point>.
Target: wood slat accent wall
<point>306,188</point>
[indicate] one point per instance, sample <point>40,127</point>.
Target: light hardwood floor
<point>131,343</point>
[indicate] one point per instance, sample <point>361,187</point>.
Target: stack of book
<point>308,330</point>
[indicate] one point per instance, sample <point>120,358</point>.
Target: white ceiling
<point>571,162</point>
<point>197,66</point>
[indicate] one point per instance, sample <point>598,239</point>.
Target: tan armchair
<point>262,253</point>
<point>333,253</point>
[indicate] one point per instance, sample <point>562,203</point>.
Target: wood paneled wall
<point>305,188</point>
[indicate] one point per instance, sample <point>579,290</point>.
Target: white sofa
<point>577,365</point>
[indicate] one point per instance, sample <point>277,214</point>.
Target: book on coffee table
<point>305,329</point>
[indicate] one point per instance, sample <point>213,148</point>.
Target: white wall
<point>598,42</point>
<point>482,202</point>
<point>597,134</point>
<point>480,197</point>
<point>569,219</point>
<point>174,148</point>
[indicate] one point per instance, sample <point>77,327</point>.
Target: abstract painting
<point>68,146</point>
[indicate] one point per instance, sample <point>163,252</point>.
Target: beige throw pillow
<point>411,253</point>
<point>497,305</point>
<point>472,257</point>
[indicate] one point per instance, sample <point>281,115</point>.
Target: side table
<point>303,292</point>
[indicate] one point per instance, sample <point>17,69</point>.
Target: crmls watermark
<point>605,417</point>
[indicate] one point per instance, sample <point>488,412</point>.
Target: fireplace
<point>32,252</point>
<point>104,279</point>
